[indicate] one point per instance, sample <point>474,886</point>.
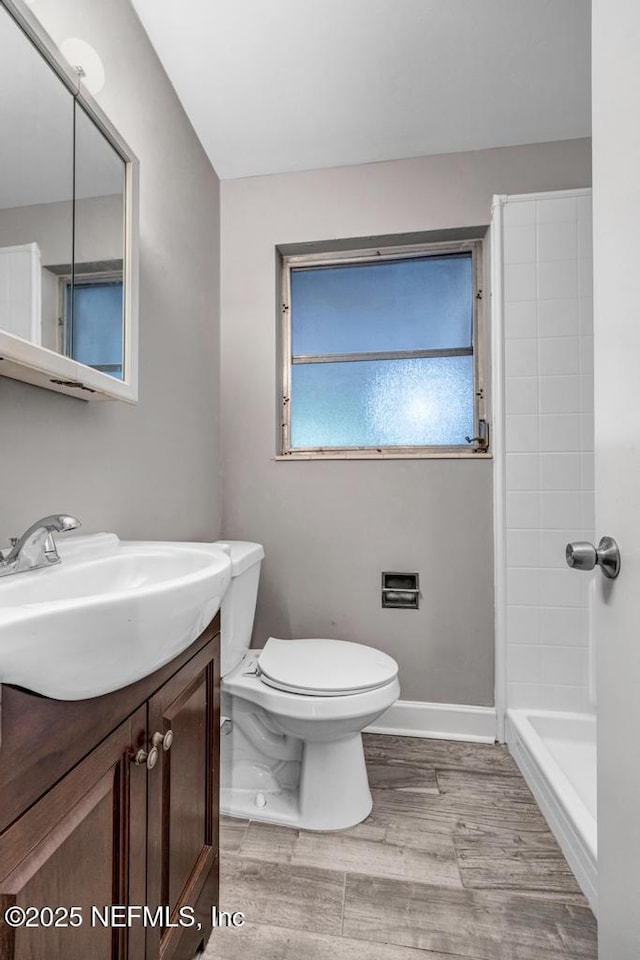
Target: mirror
<point>92,302</point>
<point>67,250</point>
<point>36,187</point>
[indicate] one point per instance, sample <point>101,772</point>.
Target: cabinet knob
<point>162,742</point>
<point>150,758</point>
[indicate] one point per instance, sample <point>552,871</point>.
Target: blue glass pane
<point>96,337</point>
<point>381,403</point>
<point>420,304</point>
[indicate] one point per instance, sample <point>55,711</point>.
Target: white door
<point>616,203</point>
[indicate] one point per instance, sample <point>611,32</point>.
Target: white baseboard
<point>437,721</point>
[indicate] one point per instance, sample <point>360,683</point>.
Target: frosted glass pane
<point>380,403</point>
<point>421,304</point>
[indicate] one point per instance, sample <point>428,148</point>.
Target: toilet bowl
<point>292,753</point>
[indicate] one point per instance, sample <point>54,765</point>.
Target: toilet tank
<point>239,602</point>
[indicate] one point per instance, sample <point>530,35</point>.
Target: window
<point>382,352</point>
<point>92,321</point>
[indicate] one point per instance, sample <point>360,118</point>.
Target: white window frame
<point>480,447</point>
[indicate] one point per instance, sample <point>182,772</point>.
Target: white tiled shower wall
<point>548,404</point>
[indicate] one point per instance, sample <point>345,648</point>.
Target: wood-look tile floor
<point>456,861</point>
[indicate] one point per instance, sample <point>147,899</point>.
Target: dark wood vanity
<point>88,821</point>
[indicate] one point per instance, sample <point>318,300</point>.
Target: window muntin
<point>380,351</point>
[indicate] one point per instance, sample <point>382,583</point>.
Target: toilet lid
<point>324,668</point>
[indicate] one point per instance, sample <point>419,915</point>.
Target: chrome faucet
<point>36,547</point>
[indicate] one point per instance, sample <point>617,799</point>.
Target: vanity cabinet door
<point>182,862</point>
<point>81,845</point>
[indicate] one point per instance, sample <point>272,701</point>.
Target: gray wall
<point>50,226</point>
<point>330,528</point>
<point>149,470</point>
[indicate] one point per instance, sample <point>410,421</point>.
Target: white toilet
<point>295,710</point>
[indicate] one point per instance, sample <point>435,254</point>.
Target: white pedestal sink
<point>109,614</point>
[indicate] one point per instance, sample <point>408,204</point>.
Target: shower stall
<point>542,334</point>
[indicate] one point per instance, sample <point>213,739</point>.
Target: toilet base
<point>334,787</point>
<point>333,792</point>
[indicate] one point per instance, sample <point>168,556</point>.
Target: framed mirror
<point>68,225</point>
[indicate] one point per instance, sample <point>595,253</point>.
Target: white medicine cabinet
<point>68,225</point>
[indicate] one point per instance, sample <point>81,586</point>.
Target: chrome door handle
<point>582,555</point>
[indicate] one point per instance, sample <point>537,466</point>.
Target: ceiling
<point>278,85</point>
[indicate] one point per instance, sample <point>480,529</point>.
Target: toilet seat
<point>324,668</point>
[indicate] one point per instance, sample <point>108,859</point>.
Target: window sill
<point>387,455</point>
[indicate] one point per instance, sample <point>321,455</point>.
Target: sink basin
<point>109,614</point>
